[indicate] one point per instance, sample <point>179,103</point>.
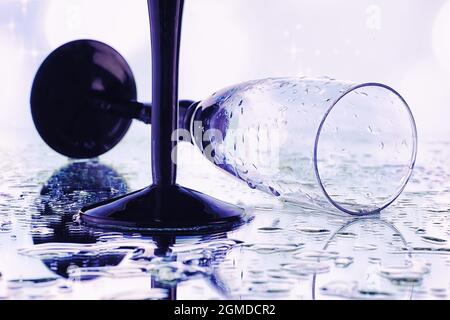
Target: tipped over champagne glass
<point>314,142</point>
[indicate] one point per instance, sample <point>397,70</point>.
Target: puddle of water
<point>287,252</point>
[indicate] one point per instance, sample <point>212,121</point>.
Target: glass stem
<point>165,27</point>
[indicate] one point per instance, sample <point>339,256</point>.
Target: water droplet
<point>273,248</point>
<point>269,229</point>
<point>343,234</point>
<point>350,290</point>
<point>5,226</point>
<point>274,192</point>
<point>434,240</point>
<point>306,267</point>
<point>365,247</point>
<point>65,288</point>
<point>439,292</point>
<point>148,294</point>
<point>15,284</point>
<point>343,262</point>
<point>316,255</point>
<point>410,272</point>
<point>41,232</point>
<point>251,184</point>
<point>421,231</point>
<point>314,231</point>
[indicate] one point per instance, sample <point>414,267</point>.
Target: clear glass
<point>314,142</point>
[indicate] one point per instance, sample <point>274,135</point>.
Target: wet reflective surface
<point>286,252</point>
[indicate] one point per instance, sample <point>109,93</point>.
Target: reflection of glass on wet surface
<point>287,252</point>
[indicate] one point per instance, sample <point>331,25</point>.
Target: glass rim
<point>411,162</point>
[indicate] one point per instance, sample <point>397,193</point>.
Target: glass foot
<point>172,209</point>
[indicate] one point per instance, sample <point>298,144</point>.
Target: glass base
<point>173,209</point>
